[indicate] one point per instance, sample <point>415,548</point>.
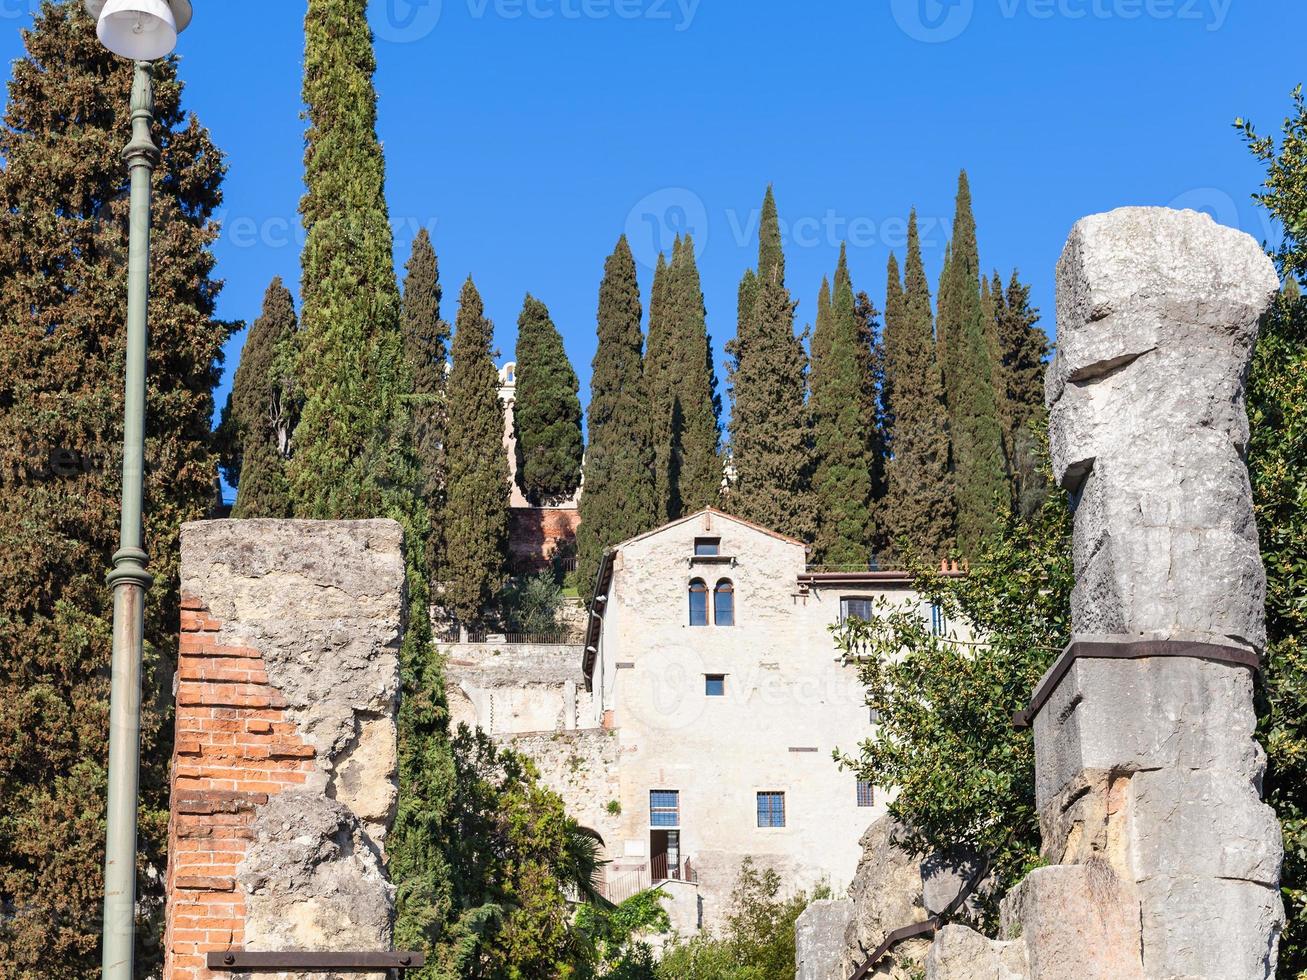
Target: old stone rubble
<point>1164,861</point>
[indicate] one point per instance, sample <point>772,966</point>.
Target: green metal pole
<point>129,579</point>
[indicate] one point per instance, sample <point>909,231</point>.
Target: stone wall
<point>536,534</point>
<point>513,688</point>
<point>284,777</point>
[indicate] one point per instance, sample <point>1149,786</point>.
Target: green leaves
<point>965,777</point>
<point>547,412</point>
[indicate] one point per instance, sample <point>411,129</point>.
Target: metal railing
<point>560,638</point>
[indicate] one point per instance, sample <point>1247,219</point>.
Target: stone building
<point>696,726</point>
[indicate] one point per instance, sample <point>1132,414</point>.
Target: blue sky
<point>528,134</point>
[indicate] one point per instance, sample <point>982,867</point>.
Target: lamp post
<point>142,30</point>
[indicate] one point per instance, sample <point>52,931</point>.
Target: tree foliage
<point>967,360</point>
<point>757,942</point>
<point>917,516</point>
<point>547,413</point>
<point>965,779</point>
<point>771,429</point>
<point>426,353</point>
<point>618,502</point>
<point>63,301</point>
<point>1277,459</point>
<point>842,478</point>
<point>476,511</point>
<point>1021,349</point>
<point>259,418</point>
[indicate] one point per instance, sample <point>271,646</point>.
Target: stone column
<point>1164,861</point>
<point>285,767</point>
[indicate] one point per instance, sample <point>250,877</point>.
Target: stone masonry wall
<point>284,774</point>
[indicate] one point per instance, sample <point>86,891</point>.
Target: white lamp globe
<point>142,30</point>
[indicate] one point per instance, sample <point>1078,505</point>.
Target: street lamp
<point>141,30</point>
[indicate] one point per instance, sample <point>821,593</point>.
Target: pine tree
<point>771,437</point>
<point>476,511</point>
<point>63,301</point>
<point>695,406</point>
<point>618,502</point>
<point>919,504</point>
<point>842,479</point>
<point>353,445</point>
<point>548,412</point>
<point>426,352</point>
<point>259,417</point>
<point>1019,380</point>
<point>979,473</point>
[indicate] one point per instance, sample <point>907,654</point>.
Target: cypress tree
<point>476,511</point>
<point>919,503</point>
<point>618,502</point>
<point>1019,376</point>
<point>660,365</point>
<point>63,302</point>
<point>695,406</point>
<point>426,353</point>
<point>979,472</point>
<point>771,437</point>
<point>842,490</point>
<point>353,445</point>
<point>871,354</point>
<point>259,417</point>
<point>548,412</point>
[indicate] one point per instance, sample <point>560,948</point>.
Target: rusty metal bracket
<point>232,960</point>
<point>1127,650</point>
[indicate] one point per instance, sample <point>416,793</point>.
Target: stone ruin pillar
<point>1164,862</point>
<point>285,766</point>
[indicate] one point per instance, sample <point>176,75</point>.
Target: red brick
<point>204,883</point>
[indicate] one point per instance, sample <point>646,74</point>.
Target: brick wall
<point>287,687</point>
<point>235,747</point>
<point>536,533</point>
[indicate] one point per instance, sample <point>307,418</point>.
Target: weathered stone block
<point>313,880</point>
<point>886,894</point>
<point>960,954</point>
<point>819,940</point>
<point>1161,712</point>
<point>1210,928</point>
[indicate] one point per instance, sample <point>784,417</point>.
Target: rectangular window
<point>771,809</point>
<point>714,685</point>
<point>938,622</point>
<point>707,547</point>
<point>664,808</point>
<point>855,607</point>
<point>873,716</point>
<point>866,793</point>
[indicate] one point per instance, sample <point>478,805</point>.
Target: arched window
<point>698,602</point>
<point>724,603</point>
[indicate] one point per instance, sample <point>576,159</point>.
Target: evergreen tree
<point>548,413</point>
<point>353,445</point>
<point>979,473</point>
<point>919,504</point>
<point>771,437</point>
<point>259,417</point>
<point>871,354</point>
<point>660,364</point>
<point>426,352</point>
<point>618,502</point>
<point>1019,380</point>
<point>842,479</point>
<point>63,302</point>
<point>691,396</point>
<point>476,511</point>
